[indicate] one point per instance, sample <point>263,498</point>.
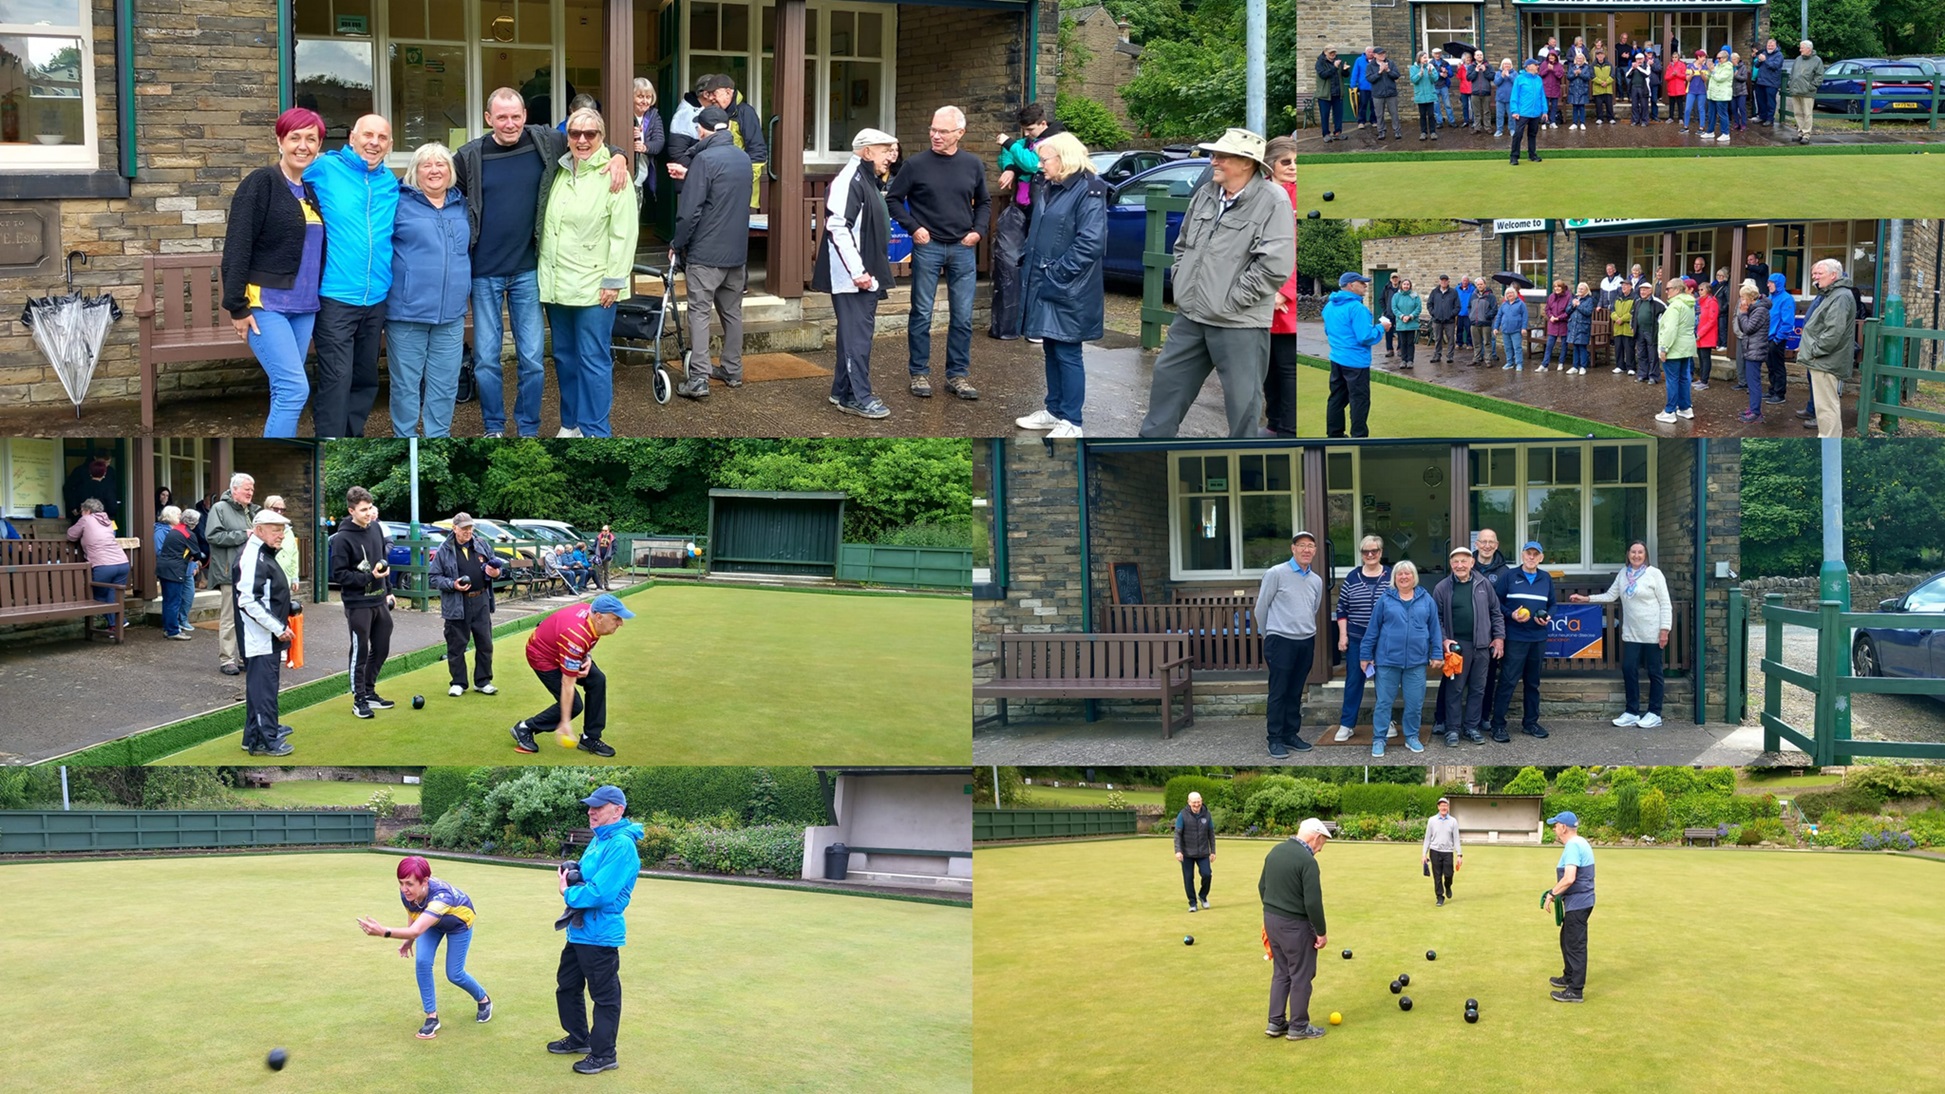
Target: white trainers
<point>1685,413</point>
<point>456,690</point>
<point>1617,370</point>
<point>1628,720</point>
<point>1065,430</point>
<point>1392,733</point>
<point>1650,721</point>
<point>1344,733</point>
<point>1039,419</point>
<point>1666,418</point>
<point>566,432</point>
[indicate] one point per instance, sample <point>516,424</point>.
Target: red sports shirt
<point>565,641</point>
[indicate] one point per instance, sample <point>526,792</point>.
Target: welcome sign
<point>1577,631</point>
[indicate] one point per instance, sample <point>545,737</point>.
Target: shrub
<point>1591,809</point>
<point>441,788</point>
<point>938,533</point>
<point>29,787</point>
<point>1673,782</point>
<point>1618,777</point>
<point>1175,796</point>
<point>1224,819</point>
<point>1654,812</point>
<point>1627,807</point>
<point>1846,797</point>
<point>1528,781</point>
<point>1762,830</point>
<point>657,843</point>
<point>458,828</point>
<point>1361,825</point>
<point>1091,121</point>
<point>1388,799</point>
<point>1889,781</point>
<point>1928,827</point>
<point>696,792</point>
<point>1282,801</point>
<point>1571,781</point>
<point>775,847</point>
<point>380,802</point>
<point>1722,779</point>
<point>1406,829</point>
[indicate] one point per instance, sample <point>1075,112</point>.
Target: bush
<point>1847,797</point>
<point>380,802</point>
<point>778,848</point>
<point>1618,777</point>
<point>1709,808</point>
<point>1591,809</point>
<point>1888,781</point>
<point>1654,812</point>
<point>456,829</point>
<point>1282,801</point>
<point>657,843</point>
<point>1528,781</point>
<point>1721,779</point>
<point>1175,796</point>
<point>1627,807</point>
<point>1091,121</point>
<point>1673,782</point>
<point>1762,830</point>
<point>929,533</point>
<point>1406,830</point>
<point>1388,799</point>
<point>1361,825</point>
<point>1571,781</point>
<point>441,788</point>
<point>29,787</point>
<point>696,792</point>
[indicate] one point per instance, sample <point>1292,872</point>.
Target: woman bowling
<point>438,911</point>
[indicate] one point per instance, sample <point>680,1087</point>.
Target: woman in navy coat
<point>1061,285</point>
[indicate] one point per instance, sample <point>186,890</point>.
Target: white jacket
<point>1645,614</point>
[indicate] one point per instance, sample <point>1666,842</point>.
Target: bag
<point>468,383</point>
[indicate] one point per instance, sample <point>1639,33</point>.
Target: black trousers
<point>1191,865</point>
<point>1604,108</point>
<point>856,314</point>
<point>1349,387</point>
<point>1441,873</point>
<point>1462,698</point>
<point>1636,658</point>
<point>594,685</point>
<point>1289,660</point>
<point>590,972</point>
<point>1280,386</point>
<point>371,643</point>
<point>1573,948</point>
<point>1530,127</point>
<point>1641,107</point>
<point>1523,660</point>
<point>1293,953</point>
<point>347,367</point>
<point>1009,244</point>
<point>260,677</point>
<point>477,626</point>
<point>1779,377</point>
<point>1408,346</point>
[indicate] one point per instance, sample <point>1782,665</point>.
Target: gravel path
<point>1873,717</point>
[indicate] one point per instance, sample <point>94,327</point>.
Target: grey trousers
<point>1388,107</point>
<point>1465,694</point>
<point>715,289</point>
<point>1293,956</point>
<point>1239,355</point>
<point>1444,341</point>
<point>227,652</point>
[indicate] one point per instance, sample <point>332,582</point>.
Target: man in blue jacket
<point>1768,81</point>
<point>1361,87</point>
<point>1352,333</point>
<point>1527,110</point>
<point>591,959</point>
<point>1782,321</point>
<point>359,196</point>
<point>1526,596</point>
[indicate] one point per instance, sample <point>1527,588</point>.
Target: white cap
<point>867,137</point>
<point>1312,827</point>
<point>265,516</point>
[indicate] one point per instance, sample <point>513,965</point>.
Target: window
<point>1584,502</point>
<point>1929,597</point>
<point>1530,257</point>
<point>1444,23</point>
<point>1708,30</point>
<point>1702,244</point>
<point>849,59</point>
<point>1566,26</point>
<point>1234,512</point>
<point>182,465</point>
<point>1851,242</point>
<point>1180,178</point>
<point>47,86</point>
<point>1645,251</point>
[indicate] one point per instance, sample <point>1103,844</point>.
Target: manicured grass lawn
<point>1089,796</point>
<point>1081,981</point>
<point>1791,186</point>
<point>1752,784</point>
<point>724,987</point>
<point>302,792</point>
<point>1399,411</point>
<point>701,675</point>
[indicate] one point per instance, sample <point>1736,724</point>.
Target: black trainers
<point>595,745</point>
<point>1566,995</point>
<point>1441,902</point>
<point>567,1046</point>
<point>1451,740</point>
<point>378,702</point>
<point>1277,751</point>
<point>1537,732</point>
<point>281,748</point>
<point>431,1028</point>
<point>523,739</point>
<point>726,378</point>
<point>485,1011</point>
<point>595,1065</point>
<point>1557,981</point>
<point>359,708</point>
<point>1276,1031</point>
<point>1304,1032</point>
<point>1500,737</point>
<point>1298,744</point>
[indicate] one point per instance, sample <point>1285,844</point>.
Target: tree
<point>1326,249</point>
<point>1093,124</point>
<point>1839,28</point>
<point>1191,85</point>
<point>1528,781</point>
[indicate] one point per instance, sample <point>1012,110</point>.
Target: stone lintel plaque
<point>30,237</point>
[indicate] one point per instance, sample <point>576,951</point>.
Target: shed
<point>794,533</point>
<point>1499,818</point>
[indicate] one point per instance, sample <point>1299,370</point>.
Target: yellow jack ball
<point>1336,1019</point>
<point>565,742</point>
<point>1522,615</point>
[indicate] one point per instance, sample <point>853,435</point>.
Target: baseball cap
<point>1445,277</point>
<point>610,604</point>
<point>1565,818</point>
<point>612,795</point>
<point>1346,280</point>
<point>1301,534</point>
<point>266,516</point>
<point>1443,801</point>
<point>462,520</point>
<point>1533,545</point>
<point>1461,549</point>
<point>1312,827</point>
<point>712,118</point>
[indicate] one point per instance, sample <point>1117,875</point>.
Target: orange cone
<point>294,657</point>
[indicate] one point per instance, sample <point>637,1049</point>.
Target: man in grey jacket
<point>227,529</point>
<point>1195,848</point>
<point>1236,248</point>
<point>463,570</point>
<point>1286,613</point>
<point>1475,627</point>
<point>712,242</point>
<point>1442,304</point>
<point>1440,848</point>
<point>1805,75</point>
<point>1828,347</point>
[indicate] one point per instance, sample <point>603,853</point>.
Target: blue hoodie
<point>360,207</point>
<point>608,872</point>
<point>1352,332</point>
<point>432,277</point>
<point>1403,632</point>
<point>1782,316</point>
<point>1529,95</point>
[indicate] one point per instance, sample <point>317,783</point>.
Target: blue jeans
<point>1676,371</point>
<point>457,943</point>
<point>424,360</point>
<point>1553,340</point>
<point>1739,112</point>
<point>1515,347</point>
<point>1501,110</point>
<point>113,575</point>
<point>1695,110</point>
<point>1580,113</point>
<point>175,606</point>
<point>584,365</point>
<point>281,344</point>
<point>1332,113</point>
<point>958,263</point>
<point>1719,117</point>
<point>1444,114</point>
<point>1391,680</point>
<point>1580,355</point>
<point>521,292</point>
<point>1353,682</point>
<point>1066,380</point>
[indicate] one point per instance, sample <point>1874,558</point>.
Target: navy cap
<point>1346,280</point>
<point>1533,545</point>
<point>610,604</point>
<point>607,795</point>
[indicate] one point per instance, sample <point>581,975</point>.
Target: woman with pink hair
<point>438,911</point>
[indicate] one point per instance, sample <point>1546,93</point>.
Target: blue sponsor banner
<point>1576,631</point>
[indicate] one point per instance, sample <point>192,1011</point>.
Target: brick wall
<point>1345,24</point>
<point>1127,501</point>
<point>1675,551</point>
<point>1422,258</point>
<point>971,59</point>
<point>1043,587</point>
<point>285,470</point>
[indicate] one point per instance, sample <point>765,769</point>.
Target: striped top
<point>453,908</point>
<point>1357,594</point>
<point>564,641</point>
<point>1534,592</point>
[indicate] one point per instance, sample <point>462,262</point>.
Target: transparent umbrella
<point>69,331</point>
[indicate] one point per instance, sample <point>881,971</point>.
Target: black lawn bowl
<point>277,1059</point>
<point>1330,195</point>
<point>1188,940</point>
<point>1404,1002</point>
<point>1314,214</point>
<point>1472,1016</point>
<point>1472,1004</point>
<point>418,702</point>
<point>1347,955</point>
<point>1431,955</point>
<point>1404,978</point>
<point>1396,987</point>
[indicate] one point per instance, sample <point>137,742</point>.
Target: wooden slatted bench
<point>1221,629</point>
<point>181,319</point>
<point>577,837</point>
<point>1092,666</point>
<point>1696,835</point>
<point>60,590</point>
<point>38,552</point>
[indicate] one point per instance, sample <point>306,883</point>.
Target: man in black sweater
<point>1293,920</point>
<point>361,572</point>
<point>939,196</point>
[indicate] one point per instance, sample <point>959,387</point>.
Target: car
<point>558,529</point>
<point>1118,167</point>
<point>500,537</point>
<point>1904,651</point>
<point>397,532</point>
<point>1128,214</point>
<point>1895,87</point>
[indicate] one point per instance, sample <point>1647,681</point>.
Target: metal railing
<point>994,824</point>
<point>1931,113</point>
<point>1884,381</point>
<point>1156,258</point>
<point>1832,684</point>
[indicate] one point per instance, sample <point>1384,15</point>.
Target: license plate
<point>1906,106</point>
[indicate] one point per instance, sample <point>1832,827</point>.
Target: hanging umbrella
<point>69,331</point>
<point>1507,277</point>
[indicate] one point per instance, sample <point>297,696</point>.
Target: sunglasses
<point>276,508</point>
<point>1371,551</point>
<point>584,134</point>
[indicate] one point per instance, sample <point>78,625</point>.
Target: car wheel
<point>1863,658</point>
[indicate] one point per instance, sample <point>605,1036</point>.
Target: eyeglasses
<point>945,132</point>
<point>584,134</point>
<point>1370,550</point>
<point>1287,161</point>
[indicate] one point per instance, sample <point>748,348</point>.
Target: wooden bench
<point>576,837</point>
<point>1697,835</point>
<point>1092,666</point>
<point>59,590</point>
<point>1221,630</point>
<point>256,780</point>
<point>38,552</point>
<point>181,318</point>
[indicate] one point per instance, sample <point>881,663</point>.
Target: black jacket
<point>1384,85</point>
<point>1443,304</point>
<point>862,204</point>
<point>354,552</point>
<point>1330,77</point>
<point>549,143</point>
<point>172,561</point>
<point>264,243</point>
<point>443,574</point>
<point>712,218</point>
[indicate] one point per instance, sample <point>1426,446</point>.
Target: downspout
<point>1031,56</point>
<point>125,85</point>
<point>320,551</point>
<point>286,55</point>
<point>1699,640</point>
<point>1087,568</point>
<point>998,456</point>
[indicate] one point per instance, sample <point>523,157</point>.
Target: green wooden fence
<point>1155,259</point>
<point>1735,704</point>
<point>1857,106</point>
<point>27,831</point>
<point>1833,685</point>
<point>995,824</point>
<point>1885,381</point>
<point>927,567</point>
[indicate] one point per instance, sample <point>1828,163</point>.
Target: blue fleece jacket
<point>432,276</point>
<point>1529,96</point>
<point>1535,595</point>
<point>1403,632</point>
<point>1351,331</point>
<point>360,206</point>
<point>608,872</point>
<point>1512,317</point>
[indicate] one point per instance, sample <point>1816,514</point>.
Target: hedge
<point>694,793</point>
<point>441,788</point>
<point>1215,792</point>
<point>775,847</point>
<point>1389,799</point>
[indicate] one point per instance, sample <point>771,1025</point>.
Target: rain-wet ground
<point>1661,133</point>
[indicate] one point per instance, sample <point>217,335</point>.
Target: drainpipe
<point>1699,642</point>
<point>1031,58</point>
<point>286,56</point>
<point>1890,310</point>
<point>1833,579</point>
<point>1255,48</point>
<point>1087,568</point>
<point>125,86</point>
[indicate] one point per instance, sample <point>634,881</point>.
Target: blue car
<point>399,554</point>
<point>1904,651</point>
<point>1895,87</point>
<point>1128,214</point>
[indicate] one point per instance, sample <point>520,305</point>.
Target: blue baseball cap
<point>1345,281</point>
<point>612,795</point>
<point>1563,817</point>
<point>1533,545</point>
<point>609,604</point>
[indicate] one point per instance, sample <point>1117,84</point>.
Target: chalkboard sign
<point>1127,583</point>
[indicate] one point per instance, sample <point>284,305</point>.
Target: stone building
<point>175,99</point>
<point>1112,60</point>
<point>1106,536</point>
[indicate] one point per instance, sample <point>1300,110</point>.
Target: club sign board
<point>1577,631</point>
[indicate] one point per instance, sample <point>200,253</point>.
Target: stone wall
<point>1345,24</point>
<point>972,59</point>
<point>1043,580</point>
<point>1801,592</point>
<point>1111,63</point>
<point>286,471</point>
<point>1127,495</point>
<point>1422,258</point>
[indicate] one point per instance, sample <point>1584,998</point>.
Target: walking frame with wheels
<point>650,319</point>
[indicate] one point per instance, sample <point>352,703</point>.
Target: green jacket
<point>587,242</point>
<point>1805,74</point>
<point>1603,82</point>
<point>1722,82</point>
<point>1406,308</point>
<point>1676,335</point>
<point>1290,884</point>
<point>1623,316</point>
<point>1829,342</point>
